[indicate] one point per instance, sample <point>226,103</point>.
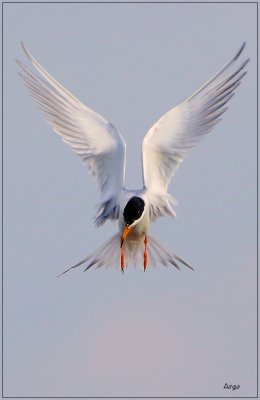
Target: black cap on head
<point>133,210</point>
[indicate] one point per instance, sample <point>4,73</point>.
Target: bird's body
<point>102,148</point>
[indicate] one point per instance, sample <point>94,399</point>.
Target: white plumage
<point>102,148</point>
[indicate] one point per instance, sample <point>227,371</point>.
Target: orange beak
<point>124,235</point>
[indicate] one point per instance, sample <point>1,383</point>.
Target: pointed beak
<point>124,235</point>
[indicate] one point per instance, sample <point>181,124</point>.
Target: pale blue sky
<point>162,333</point>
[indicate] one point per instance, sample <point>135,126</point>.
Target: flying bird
<point>103,149</point>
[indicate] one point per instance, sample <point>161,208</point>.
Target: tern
<point>103,149</point>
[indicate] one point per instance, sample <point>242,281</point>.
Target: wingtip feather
<point>26,51</point>
<point>239,51</point>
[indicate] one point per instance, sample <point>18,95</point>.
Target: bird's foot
<point>145,254</point>
<point>122,257</point>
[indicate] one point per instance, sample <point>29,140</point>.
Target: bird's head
<point>133,213</point>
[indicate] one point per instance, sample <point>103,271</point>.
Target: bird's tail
<point>108,255</point>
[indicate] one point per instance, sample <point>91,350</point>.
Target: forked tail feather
<point>108,255</point>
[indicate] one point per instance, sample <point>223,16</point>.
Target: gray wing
<point>91,136</point>
<point>170,139</point>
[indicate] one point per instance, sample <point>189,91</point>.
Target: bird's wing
<point>169,140</point>
<point>90,135</point>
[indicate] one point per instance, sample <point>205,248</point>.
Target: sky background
<point>165,332</point>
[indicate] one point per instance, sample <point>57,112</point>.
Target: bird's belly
<point>135,234</point>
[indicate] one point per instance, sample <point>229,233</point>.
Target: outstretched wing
<point>169,140</point>
<point>88,134</point>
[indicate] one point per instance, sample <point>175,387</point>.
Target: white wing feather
<point>180,129</point>
<point>88,134</point>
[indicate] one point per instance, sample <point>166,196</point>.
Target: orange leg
<point>145,253</point>
<point>122,258</point>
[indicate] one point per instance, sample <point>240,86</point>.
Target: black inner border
<point>118,2</point>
